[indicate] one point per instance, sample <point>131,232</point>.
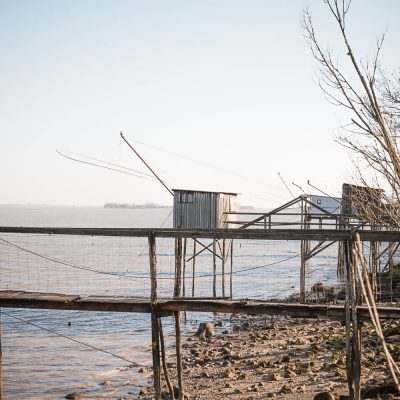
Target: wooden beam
<point>257,234</point>
<point>36,300</point>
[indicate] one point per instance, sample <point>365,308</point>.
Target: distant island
<point>134,206</point>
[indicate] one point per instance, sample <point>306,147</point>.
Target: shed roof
<point>203,191</point>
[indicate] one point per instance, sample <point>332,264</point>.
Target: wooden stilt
<point>231,275</point>
<point>178,267</point>
<point>164,362</point>
<point>348,319</point>
<point>1,361</point>
<point>391,264</point>
<point>356,331</point>
<point>155,333</point>
<point>223,267</point>
<point>179,365</point>
<point>184,272</point>
<point>184,268</point>
<point>373,260</point>
<point>214,269</point>
<point>302,272</point>
<point>194,266</point>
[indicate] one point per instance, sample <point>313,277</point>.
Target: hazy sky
<point>230,84</point>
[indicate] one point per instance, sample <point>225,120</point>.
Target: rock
<point>325,396</point>
<point>229,372</point>
<point>176,394</point>
<point>205,374</point>
<point>74,395</point>
<point>205,329</point>
<point>143,392</point>
<point>106,383</point>
<point>285,389</point>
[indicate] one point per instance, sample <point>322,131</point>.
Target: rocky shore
<point>250,357</point>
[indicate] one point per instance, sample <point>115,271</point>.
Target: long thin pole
<point>147,165</point>
<point>214,270</point>
<point>231,277</point>
<point>164,362</point>
<point>155,332</point>
<point>194,266</point>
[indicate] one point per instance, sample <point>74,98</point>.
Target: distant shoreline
<point>134,206</point>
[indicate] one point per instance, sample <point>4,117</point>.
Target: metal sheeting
<point>330,204</point>
<point>195,209</point>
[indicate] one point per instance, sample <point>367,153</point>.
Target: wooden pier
<point>351,311</point>
<point>54,301</point>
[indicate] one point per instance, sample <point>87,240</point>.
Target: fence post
<point>155,331</point>
<point>177,292</point>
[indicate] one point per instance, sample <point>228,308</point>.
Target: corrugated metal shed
<point>200,209</point>
<point>330,204</point>
<point>360,201</point>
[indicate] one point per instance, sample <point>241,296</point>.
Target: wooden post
<point>231,276</point>
<point>356,339</point>
<point>178,267</point>
<point>373,259</point>
<point>184,272</point>
<point>391,265</point>
<point>194,266</point>
<point>348,319</point>
<point>223,266</point>
<point>184,268</point>
<point>214,270</point>
<point>164,362</point>
<point>177,292</point>
<point>302,272</point>
<point>1,361</point>
<point>155,333</point>
<point>179,354</point>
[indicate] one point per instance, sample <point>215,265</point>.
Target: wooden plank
<point>164,306</point>
<point>258,234</point>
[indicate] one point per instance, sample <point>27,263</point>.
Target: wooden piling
<point>179,365</point>
<point>391,265</point>
<point>223,267</point>
<point>184,268</point>
<point>231,274</point>
<point>178,267</point>
<point>214,269</point>
<point>1,361</point>
<point>177,315</point>
<point>348,318</point>
<point>302,272</point>
<point>193,266</point>
<point>356,331</point>
<point>164,362</point>
<point>155,332</point>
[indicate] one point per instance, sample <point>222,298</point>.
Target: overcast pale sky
<point>228,83</point>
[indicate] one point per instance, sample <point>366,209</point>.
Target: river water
<point>39,364</point>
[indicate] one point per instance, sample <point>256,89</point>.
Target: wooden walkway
<point>54,301</point>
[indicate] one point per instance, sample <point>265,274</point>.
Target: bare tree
<point>373,101</point>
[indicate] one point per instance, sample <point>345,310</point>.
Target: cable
<point>102,166</point>
<point>73,340</point>
<point>202,163</point>
<point>251,268</point>
<point>109,163</point>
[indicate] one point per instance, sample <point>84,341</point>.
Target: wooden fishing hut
<point>194,209</point>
